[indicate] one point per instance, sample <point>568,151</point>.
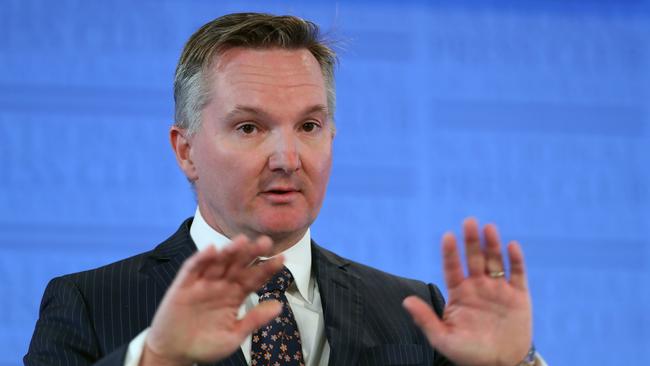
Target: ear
<point>182,146</point>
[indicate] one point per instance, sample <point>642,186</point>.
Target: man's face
<point>263,153</point>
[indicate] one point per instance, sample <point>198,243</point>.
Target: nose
<point>284,155</point>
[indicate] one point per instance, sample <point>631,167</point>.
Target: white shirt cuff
<point>134,353</point>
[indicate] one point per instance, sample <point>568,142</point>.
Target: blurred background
<point>529,114</point>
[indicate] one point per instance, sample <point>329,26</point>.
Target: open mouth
<point>280,191</point>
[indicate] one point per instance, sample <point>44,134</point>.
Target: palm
<point>478,314</point>
<point>487,320</point>
<point>197,319</point>
<point>200,308</point>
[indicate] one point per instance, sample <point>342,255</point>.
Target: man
<point>253,134</point>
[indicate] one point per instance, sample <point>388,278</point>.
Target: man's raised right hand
<point>197,318</point>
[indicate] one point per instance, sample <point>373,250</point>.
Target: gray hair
<point>249,30</point>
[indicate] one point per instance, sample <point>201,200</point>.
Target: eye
<point>310,126</point>
<point>247,128</point>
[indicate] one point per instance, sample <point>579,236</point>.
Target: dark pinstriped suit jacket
<point>90,317</point>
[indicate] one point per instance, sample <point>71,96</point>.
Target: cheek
<point>217,170</point>
<point>322,167</point>
<point>326,169</point>
<point>238,173</point>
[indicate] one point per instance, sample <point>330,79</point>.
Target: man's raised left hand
<point>488,317</point>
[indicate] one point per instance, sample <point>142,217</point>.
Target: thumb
<point>425,318</point>
<point>259,316</point>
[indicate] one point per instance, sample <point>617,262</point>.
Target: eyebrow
<point>241,109</point>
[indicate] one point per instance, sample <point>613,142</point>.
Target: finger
<point>225,258</point>
<point>473,252</point>
<point>494,258</point>
<point>425,318</point>
<point>452,266</point>
<point>233,252</point>
<point>195,265</point>
<point>264,244</point>
<point>253,278</point>
<point>246,254</point>
<point>518,277</point>
<point>259,316</point>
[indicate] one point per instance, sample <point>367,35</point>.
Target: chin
<point>278,230</point>
<point>283,226</point>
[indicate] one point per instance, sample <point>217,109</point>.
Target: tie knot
<point>277,285</point>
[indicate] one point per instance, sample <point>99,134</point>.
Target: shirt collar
<point>297,258</point>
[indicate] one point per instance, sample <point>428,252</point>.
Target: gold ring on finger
<point>497,274</point>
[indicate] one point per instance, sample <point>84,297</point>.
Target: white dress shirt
<point>303,297</point>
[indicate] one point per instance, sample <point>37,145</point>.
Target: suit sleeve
<point>64,334</point>
<point>438,303</point>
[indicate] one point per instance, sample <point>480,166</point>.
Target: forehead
<point>279,60</point>
<point>276,73</point>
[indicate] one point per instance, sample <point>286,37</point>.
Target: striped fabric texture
<point>90,317</point>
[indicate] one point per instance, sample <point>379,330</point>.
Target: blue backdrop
<point>530,114</point>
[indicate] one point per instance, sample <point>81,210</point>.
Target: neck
<point>284,242</point>
<point>281,240</point>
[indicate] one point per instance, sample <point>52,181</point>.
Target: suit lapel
<point>342,305</point>
<point>165,261</point>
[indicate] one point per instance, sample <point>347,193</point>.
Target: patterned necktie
<point>277,343</point>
